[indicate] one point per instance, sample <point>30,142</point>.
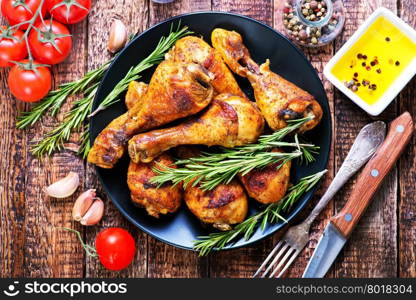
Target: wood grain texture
<point>407,170</point>
<point>135,15</point>
<point>318,57</point>
<point>49,252</point>
<point>371,251</point>
<point>164,260</point>
<point>372,175</point>
<point>12,183</point>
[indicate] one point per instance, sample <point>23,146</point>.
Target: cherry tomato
<point>12,47</point>
<point>18,11</point>
<point>27,84</point>
<point>115,248</point>
<point>68,11</point>
<point>45,42</point>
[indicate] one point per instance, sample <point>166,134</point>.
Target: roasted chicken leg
<point>156,200</point>
<point>278,99</point>
<point>176,90</point>
<point>228,121</point>
<point>221,207</point>
<point>194,49</point>
<point>268,184</point>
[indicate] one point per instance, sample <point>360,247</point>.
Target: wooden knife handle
<point>399,134</point>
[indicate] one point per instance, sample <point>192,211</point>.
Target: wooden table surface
<point>383,244</point>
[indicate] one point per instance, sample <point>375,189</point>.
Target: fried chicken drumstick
<point>228,121</point>
<point>278,99</point>
<point>175,91</point>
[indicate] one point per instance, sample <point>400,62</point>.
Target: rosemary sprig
<point>165,43</point>
<point>53,102</point>
<point>271,214</point>
<point>211,169</point>
<point>74,119</point>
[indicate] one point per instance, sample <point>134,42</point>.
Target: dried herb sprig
<point>75,119</point>
<point>270,214</point>
<point>212,169</point>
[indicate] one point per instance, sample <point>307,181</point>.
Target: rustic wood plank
<point>165,260</point>
<point>318,57</point>
<point>372,248</point>
<point>49,252</point>
<point>407,170</point>
<point>12,183</point>
<point>135,15</point>
<point>245,261</point>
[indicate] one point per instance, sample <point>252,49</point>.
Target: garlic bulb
<point>117,37</point>
<point>94,213</point>
<point>82,204</point>
<point>64,187</point>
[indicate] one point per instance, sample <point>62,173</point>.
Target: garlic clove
<point>94,214</point>
<point>64,187</point>
<point>117,37</point>
<point>82,204</point>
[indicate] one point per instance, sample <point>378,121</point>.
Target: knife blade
<point>329,245</point>
<point>340,226</point>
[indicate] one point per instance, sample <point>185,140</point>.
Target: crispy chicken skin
<point>175,91</point>
<point>221,207</point>
<point>194,49</point>
<point>269,184</point>
<point>135,92</point>
<point>278,99</point>
<point>228,121</point>
<point>156,200</point>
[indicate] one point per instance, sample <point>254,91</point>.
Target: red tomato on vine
<point>68,11</point>
<point>50,42</point>
<point>29,81</point>
<point>18,11</point>
<point>12,47</point>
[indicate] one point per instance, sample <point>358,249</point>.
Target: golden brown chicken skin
<point>135,91</point>
<point>221,207</point>
<point>228,121</point>
<point>156,200</point>
<point>194,49</point>
<point>268,184</point>
<point>176,90</point>
<point>278,99</point>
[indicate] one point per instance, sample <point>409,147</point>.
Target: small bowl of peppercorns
<point>313,23</point>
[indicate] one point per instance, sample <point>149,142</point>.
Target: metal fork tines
<point>284,253</point>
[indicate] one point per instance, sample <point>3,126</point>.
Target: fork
<point>296,237</point>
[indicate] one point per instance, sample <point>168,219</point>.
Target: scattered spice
<point>378,71</point>
<point>387,39</point>
<point>368,68</point>
<point>397,63</point>
<point>363,64</point>
<point>355,74</point>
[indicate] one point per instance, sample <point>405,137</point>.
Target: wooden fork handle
<point>399,134</point>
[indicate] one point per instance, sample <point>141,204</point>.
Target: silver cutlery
<point>296,238</point>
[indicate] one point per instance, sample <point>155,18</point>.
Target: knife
<point>341,225</point>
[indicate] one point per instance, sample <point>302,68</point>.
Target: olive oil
<point>376,60</point>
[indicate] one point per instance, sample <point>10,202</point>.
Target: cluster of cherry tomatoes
<point>33,42</point>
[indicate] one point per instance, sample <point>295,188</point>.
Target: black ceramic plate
<point>181,228</point>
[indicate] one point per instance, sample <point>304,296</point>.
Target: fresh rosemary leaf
<point>212,169</point>
<point>270,214</point>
